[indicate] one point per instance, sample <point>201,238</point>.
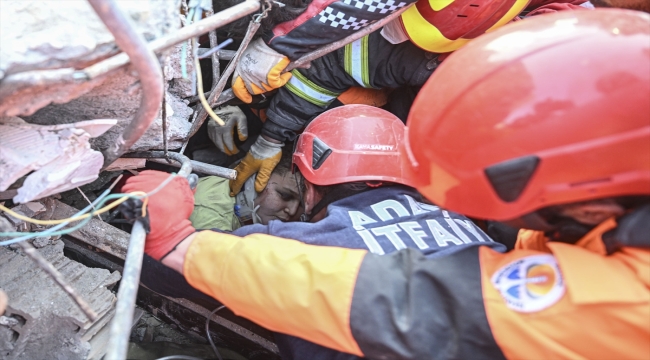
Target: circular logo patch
<point>530,284</point>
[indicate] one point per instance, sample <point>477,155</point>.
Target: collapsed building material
<point>44,322</point>
<point>59,155</point>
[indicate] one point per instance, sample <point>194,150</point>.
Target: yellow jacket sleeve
<point>316,283</point>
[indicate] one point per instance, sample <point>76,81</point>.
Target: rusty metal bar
<point>178,161</point>
<point>307,58</point>
<point>218,88</point>
<point>45,265</point>
<point>126,295</point>
<point>201,27</point>
<point>145,64</point>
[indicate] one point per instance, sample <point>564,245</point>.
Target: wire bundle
<point>85,214</point>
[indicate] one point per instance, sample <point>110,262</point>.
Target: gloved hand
<point>259,70</point>
<point>169,210</point>
<point>223,136</point>
<point>262,158</point>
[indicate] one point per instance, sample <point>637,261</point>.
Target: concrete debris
<point>126,164</point>
<point>43,323</point>
<point>3,303</point>
<point>59,155</point>
<point>43,43</point>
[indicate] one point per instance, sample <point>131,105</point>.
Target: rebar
<point>45,265</point>
<point>126,295</point>
<point>201,27</point>
<point>178,160</point>
<point>145,64</point>
<point>218,89</point>
<point>309,57</point>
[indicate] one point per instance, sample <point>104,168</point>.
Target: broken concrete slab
<point>48,325</point>
<point>60,156</point>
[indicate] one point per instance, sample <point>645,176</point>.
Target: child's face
<point>280,200</point>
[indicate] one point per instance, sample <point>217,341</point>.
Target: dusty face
<point>280,200</point>
<point>641,5</point>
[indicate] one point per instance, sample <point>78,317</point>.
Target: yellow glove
<point>262,158</point>
<point>258,71</point>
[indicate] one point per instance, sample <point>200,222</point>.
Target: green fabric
<point>213,206</point>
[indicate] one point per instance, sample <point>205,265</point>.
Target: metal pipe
<point>307,58</point>
<point>215,21</point>
<point>58,278</point>
<point>216,91</point>
<point>126,295</point>
<point>148,69</point>
<point>121,325</point>
<point>179,160</point>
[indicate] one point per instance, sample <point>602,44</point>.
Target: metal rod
<point>183,161</point>
<point>145,64</point>
<point>307,58</point>
<point>179,159</point>
<point>222,54</point>
<point>128,291</point>
<point>120,330</point>
<point>216,66</point>
<point>218,89</point>
<point>201,27</point>
<point>58,278</point>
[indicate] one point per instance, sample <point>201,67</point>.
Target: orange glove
<point>259,70</point>
<point>169,210</point>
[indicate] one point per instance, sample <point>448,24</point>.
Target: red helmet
<point>353,143</point>
<point>551,110</point>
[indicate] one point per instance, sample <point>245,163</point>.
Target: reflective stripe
<point>356,61</point>
<point>304,88</point>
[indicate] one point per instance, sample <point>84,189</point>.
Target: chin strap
<point>329,198</point>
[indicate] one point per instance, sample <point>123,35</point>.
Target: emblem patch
<point>530,284</point>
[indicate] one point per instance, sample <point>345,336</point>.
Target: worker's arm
<point>327,21</point>
<point>371,62</point>
<point>473,304</point>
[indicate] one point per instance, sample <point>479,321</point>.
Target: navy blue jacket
<point>381,220</point>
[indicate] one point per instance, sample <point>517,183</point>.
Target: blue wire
<point>27,236</point>
<point>99,203</point>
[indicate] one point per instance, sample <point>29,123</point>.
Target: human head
<point>450,24</point>
<point>281,199</point>
<point>544,114</point>
<point>640,5</point>
<point>357,144</point>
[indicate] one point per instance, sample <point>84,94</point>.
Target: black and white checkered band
<point>374,5</point>
<point>335,18</point>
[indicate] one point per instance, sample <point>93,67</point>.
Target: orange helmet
<point>551,110</point>
<point>442,26</point>
<point>353,143</point>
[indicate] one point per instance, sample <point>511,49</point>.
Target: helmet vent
<point>320,152</point>
<point>509,178</point>
<point>463,16</point>
<point>474,5</point>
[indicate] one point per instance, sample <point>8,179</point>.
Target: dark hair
<point>284,166</point>
<point>277,15</point>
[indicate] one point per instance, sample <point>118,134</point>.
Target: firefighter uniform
<point>554,301</point>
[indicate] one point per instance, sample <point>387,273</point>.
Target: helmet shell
<point>442,26</point>
<point>551,110</point>
<point>353,143</point>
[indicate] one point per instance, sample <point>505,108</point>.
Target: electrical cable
<point>86,217</point>
<point>207,330</point>
<point>204,102</point>
<point>179,357</point>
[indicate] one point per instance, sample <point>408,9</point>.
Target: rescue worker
<point>385,59</point>
<point>356,195</point>
<point>517,135</point>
